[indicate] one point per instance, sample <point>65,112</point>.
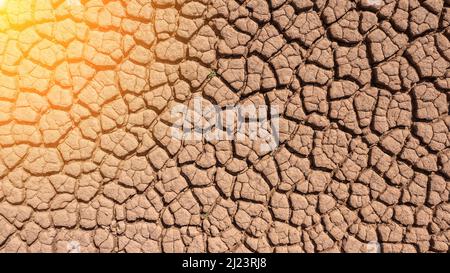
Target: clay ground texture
<point>87,161</point>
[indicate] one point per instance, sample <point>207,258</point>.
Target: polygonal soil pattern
<point>87,162</point>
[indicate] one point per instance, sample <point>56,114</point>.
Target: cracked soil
<point>87,161</point>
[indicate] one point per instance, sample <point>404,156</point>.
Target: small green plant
<point>212,74</point>
<point>204,215</point>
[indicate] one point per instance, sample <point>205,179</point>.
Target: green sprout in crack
<point>204,215</point>
<point>212,74</point>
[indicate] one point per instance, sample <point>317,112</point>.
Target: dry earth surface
<point>87,161</point>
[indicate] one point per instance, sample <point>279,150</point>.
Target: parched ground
<point>88,163</point>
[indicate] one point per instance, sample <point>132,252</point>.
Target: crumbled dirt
<point>87,161</point>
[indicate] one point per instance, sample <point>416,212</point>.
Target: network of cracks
<point>88,162</point>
